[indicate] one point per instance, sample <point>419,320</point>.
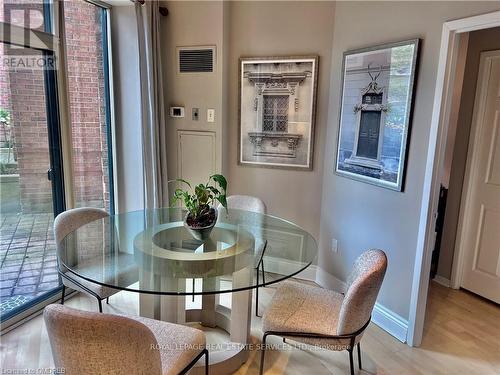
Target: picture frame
<point>376,106</point>
<point>277,111</point>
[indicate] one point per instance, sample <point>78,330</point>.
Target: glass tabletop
<point>151,251</point>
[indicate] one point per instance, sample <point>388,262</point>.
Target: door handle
<point>50,174</point>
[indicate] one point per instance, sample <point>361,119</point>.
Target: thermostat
<point>176,111</point>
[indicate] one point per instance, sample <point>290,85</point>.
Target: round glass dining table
<point>151,252</point>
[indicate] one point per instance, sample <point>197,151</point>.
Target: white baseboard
<point>327,280</point>
<point>390,322</point>
<point>443,281</point>
<point>284,267</point>
<point>386,319</point>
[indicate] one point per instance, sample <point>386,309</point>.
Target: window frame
<point>49,44</point>
<point>109,104</point>
<point>52,41</point>
<point>274,99</point>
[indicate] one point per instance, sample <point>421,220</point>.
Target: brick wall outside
<point>22,93</point>
<point>87,100</point>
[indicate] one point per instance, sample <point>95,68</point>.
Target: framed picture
<point>375,113</point>
<point>277,106</point>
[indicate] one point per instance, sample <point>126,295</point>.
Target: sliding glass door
<point>31,183</point>
<point>32,151</point>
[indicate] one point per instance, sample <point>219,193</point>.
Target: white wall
<point>362,216</point>
<point>128,147</point>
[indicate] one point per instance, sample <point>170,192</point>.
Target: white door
<point>196,156</point>
<point>481,229</point>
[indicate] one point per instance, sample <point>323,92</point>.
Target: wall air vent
<point>196,59</point>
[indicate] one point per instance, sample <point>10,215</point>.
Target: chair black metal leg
<point>195,360</point>
<point>359,356</point>
<point>193,288</point>
<point>100,304</point>
<point>62,296</point>
<point>257,295</point>
<point>107,300</point>
<point>206,362</point>
<point>262,354</point>
<point>351,362</point>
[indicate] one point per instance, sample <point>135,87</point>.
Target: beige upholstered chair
<point>85,342</point>
<point>247,203</point>
<point>322,317</point>
<point>253,204</point>
<point>65,223</point>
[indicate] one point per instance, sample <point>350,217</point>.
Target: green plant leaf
<point>198,201</point>
<point>223,201</point>
<point>183,181</point>
<point>221,180</point>
<point>213,190</point>
<point>201,193</point>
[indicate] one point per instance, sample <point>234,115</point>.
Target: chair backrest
<point>70,220</point>
<point>94,343</point>
<point>247,203</point>
<point>252,204</point>
<point>363,285</point>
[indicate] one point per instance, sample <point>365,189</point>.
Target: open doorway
<point>455,34</point>
<point>465,255</point>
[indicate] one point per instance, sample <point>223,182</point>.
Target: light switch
<point>210,115</point>
<point>335,248</point>
<point>195,114</point>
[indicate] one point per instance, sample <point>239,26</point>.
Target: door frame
<point>48,44</point>
<point>52,41</point>
<point>466,200</point>
<point>64,111</point>
<point>448,56</point>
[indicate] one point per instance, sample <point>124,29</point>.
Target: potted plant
<point>202,215</point>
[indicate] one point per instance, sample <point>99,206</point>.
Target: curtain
<point>154,152</point>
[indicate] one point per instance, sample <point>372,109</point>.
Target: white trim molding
<point>327,280</point>
<point>287,267</point>
<point>390,322</point>
<point>434,166</point>
<point>442,280</point>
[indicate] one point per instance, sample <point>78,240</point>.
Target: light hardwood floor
<point>462,336</point>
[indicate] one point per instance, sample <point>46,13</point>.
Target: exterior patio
<point>28,260</point>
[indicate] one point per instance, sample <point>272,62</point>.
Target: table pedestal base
<point>223,360</point>
<point>235,320</point>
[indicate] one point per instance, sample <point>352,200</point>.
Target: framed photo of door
<point>378,85</point>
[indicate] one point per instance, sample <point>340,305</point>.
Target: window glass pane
<point>87,96</point>
<point>27,250</point>
<point>275,116</point>
<point>23,13</point>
